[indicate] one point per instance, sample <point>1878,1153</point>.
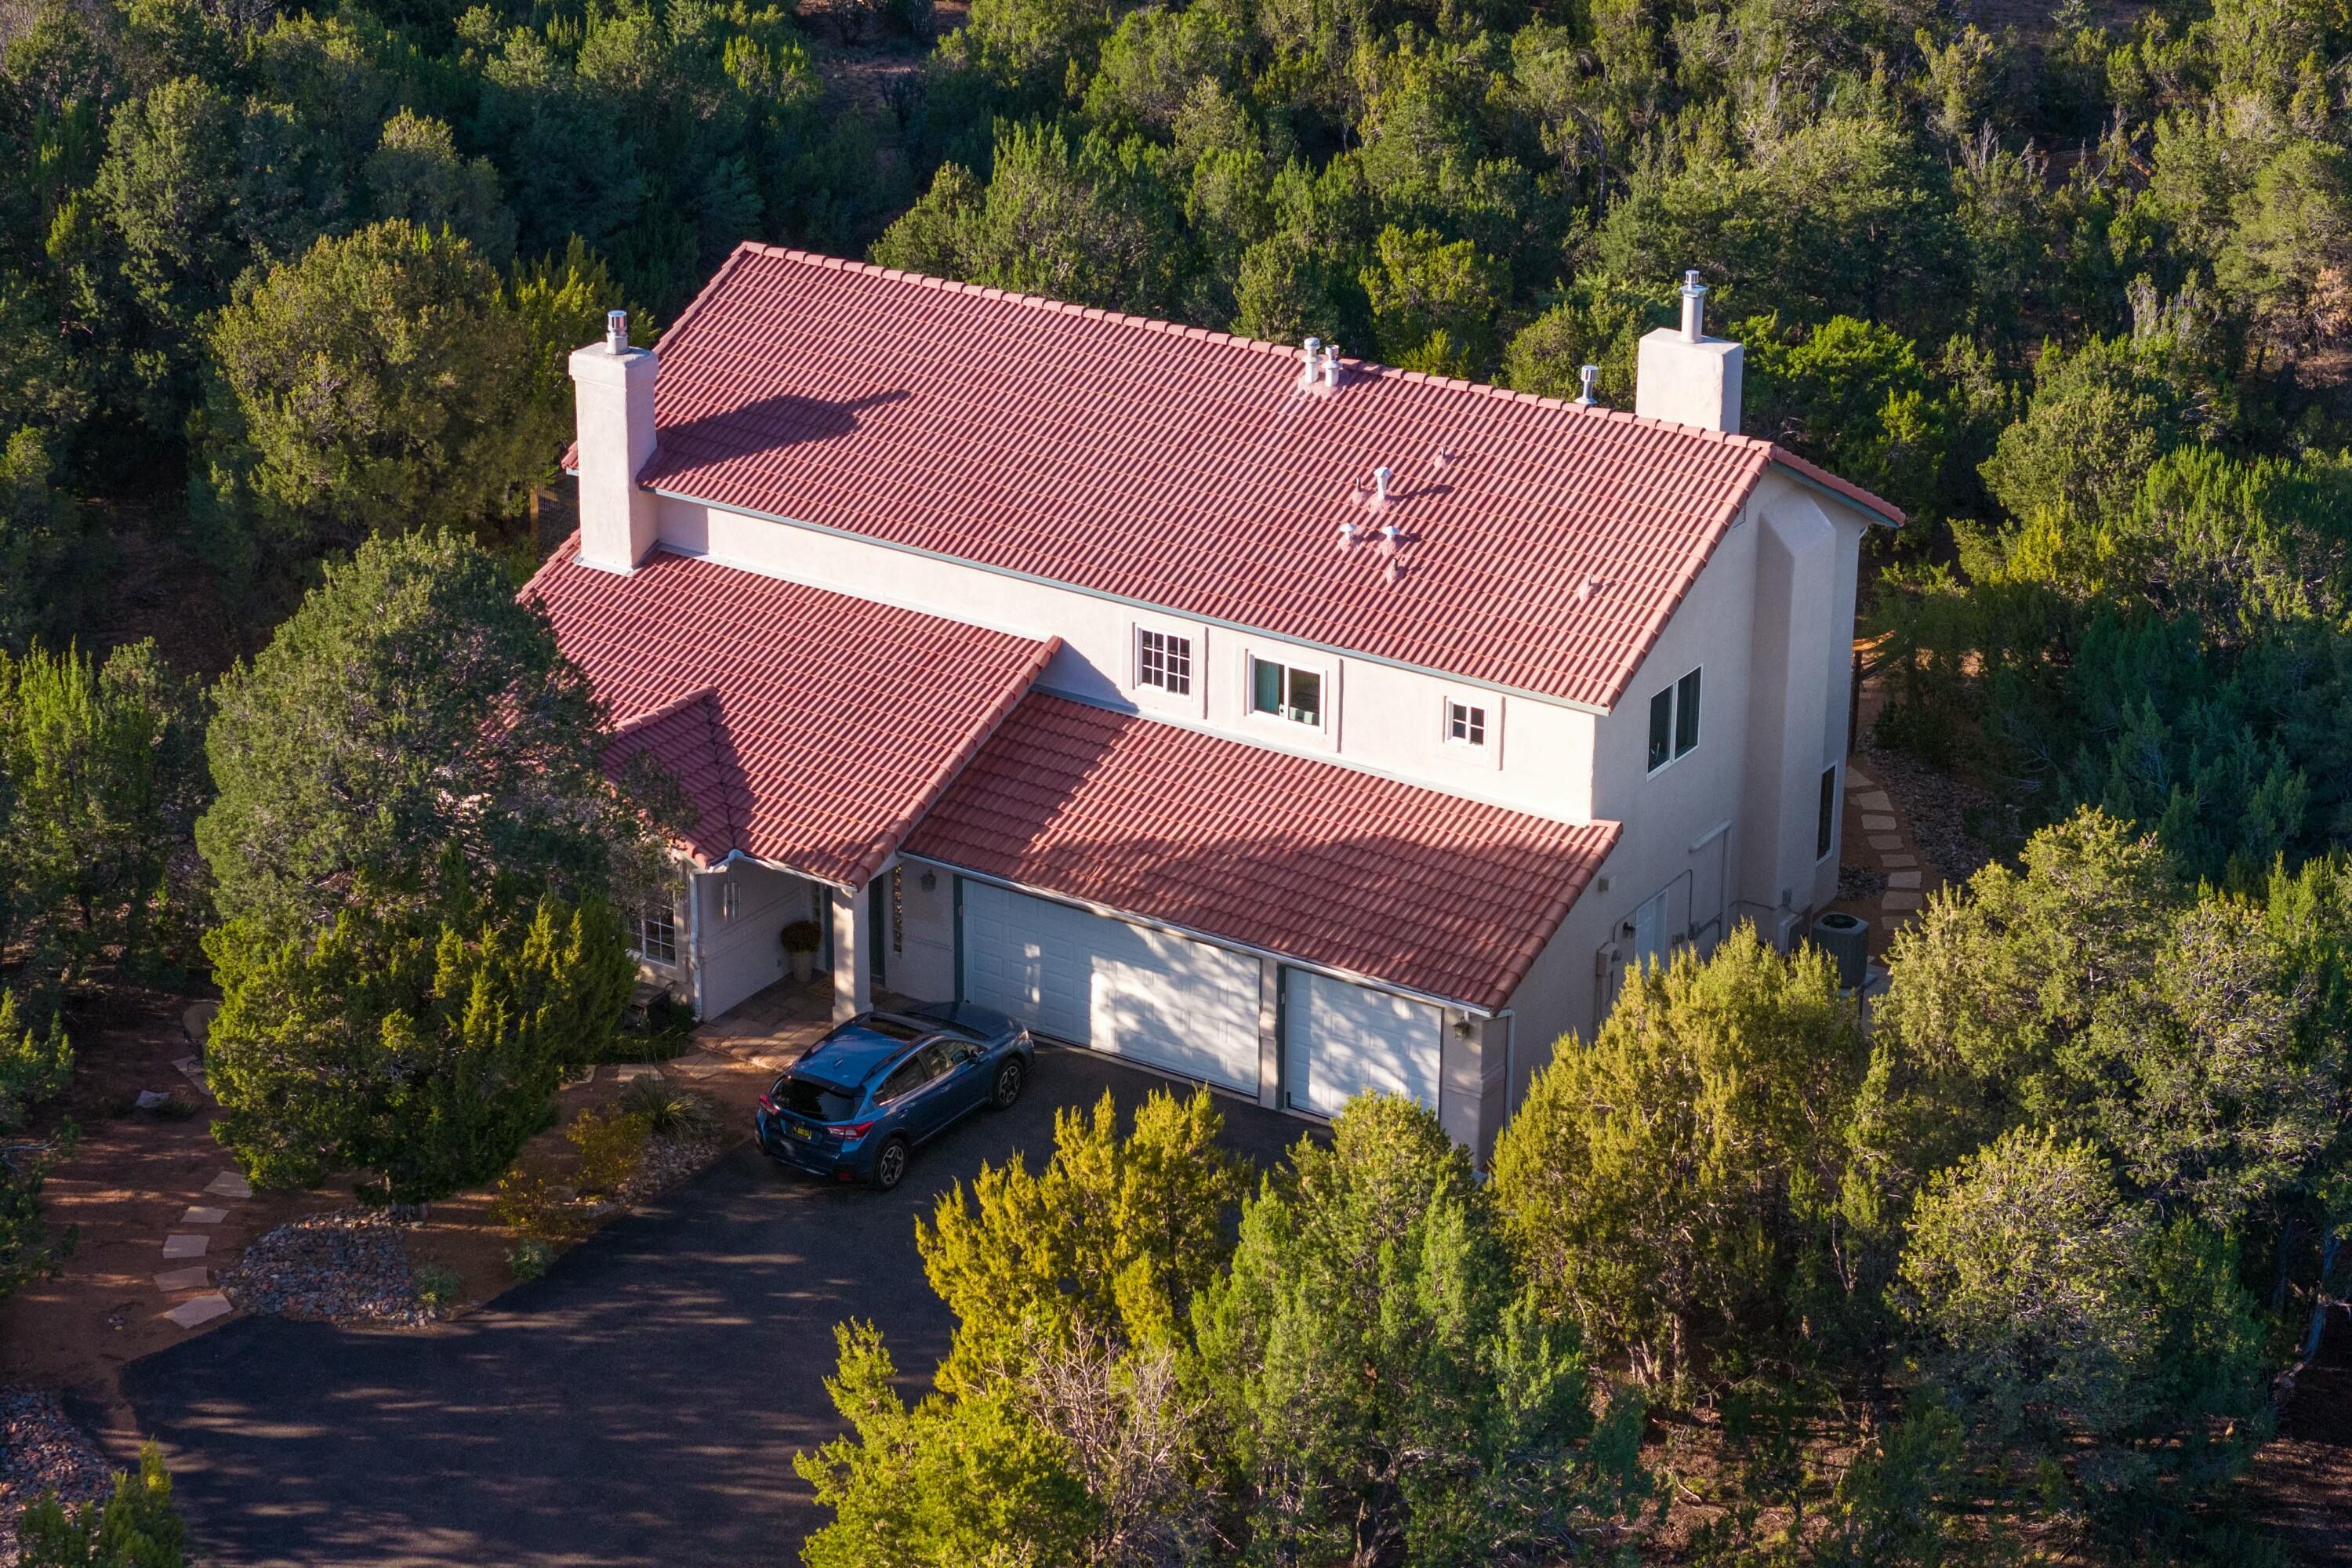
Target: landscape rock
<point>42,1451</point>
<point>348,1267</point>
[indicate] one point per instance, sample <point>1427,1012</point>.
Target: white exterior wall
<point>740,953</point>
<point>1538,753</point>
<point>1751,725</point>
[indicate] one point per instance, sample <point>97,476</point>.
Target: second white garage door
<point>1179,1005</point>
<point>1344,1040</point>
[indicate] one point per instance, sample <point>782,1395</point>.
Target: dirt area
<point>2302,1480</point>
<point>136,1176</point>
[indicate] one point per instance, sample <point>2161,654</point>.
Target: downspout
<point>694,940</point>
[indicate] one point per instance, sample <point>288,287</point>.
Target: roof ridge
<point>1209,334</point>
<point>661,711</point>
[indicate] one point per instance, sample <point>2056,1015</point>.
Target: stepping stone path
<point>195,1310</point>
<point>1883,828</point>
<point>198,1310</point>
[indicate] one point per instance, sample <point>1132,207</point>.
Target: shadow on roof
<point>769,423</point>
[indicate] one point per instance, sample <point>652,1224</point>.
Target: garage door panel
<point>1344,1040</point>
<point>1152,996</point>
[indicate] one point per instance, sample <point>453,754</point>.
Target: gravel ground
<point>347,1267</point>
<point>670,1161</point>
<point>41,1451</point>
<point>1932,804</point>
<point>1860,882</point>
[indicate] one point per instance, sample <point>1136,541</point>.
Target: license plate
<point>797,1130</point>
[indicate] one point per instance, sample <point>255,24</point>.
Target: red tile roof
<point>1447,896</point>
<point>808,729</point>
<point>1545,544</point>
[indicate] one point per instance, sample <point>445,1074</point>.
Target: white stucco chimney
<point>612,395</point>
<point>1686,376</point>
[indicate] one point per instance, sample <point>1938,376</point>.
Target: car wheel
<point>891,1164</point>
<point>1007,1086</point>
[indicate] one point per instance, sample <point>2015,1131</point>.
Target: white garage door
<point>1347,1039</point>
<point>1179,1005</point>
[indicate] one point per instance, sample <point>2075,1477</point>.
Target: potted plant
<point>800,940</point>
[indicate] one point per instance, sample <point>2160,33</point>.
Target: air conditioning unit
<point>1846,938</point>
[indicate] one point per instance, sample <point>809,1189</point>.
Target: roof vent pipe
<point>1389,535</point>
<point>1314,353</point>
<point>1331,364</point>
<point>1693,306</point>
<point>1590,373</point>
<point>1381,478</point>
<point>616,332</point>
<point>1346,534</point>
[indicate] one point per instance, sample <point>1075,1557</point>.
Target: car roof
<point>986,1021</point>
<point>856,1050</point>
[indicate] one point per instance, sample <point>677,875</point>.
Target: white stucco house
<point>1262,715</point>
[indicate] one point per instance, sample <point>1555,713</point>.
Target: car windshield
<point>818,1102</point>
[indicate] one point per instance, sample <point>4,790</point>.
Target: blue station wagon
<point>855,1106</point>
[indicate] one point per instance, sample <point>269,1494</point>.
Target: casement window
<point>1673,721</point>
<point>1286,691</point>
<point>727,900</point>
<point>1822,842</point>
<point>1465,724</point>
<point>652,933</point>
<point>1165,660</point>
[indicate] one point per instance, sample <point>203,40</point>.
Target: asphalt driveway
<point>639,1404</point>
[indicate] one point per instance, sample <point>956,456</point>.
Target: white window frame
<point>1487,754</point>
<point>1468,723</point>
<point>1325,691</point>
<point>640,926</point>
<point>1190,656</point>
<point>1673,694</point>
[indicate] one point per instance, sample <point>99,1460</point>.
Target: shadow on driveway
<point>639,1404</point>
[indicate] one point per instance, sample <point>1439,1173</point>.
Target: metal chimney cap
<point>1693,306</point>
<point>1589,373</point>
<point>616,332</point>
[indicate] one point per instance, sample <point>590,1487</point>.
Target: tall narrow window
<point>1821,834</point>
<point>1165,661</point>
<point>1287,693</point>
<point>1466,722</point>
<point>728,895</point>
<point>652,933</point>
<point>1673,721</point>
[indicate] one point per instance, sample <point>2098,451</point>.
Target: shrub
<point>528,1206</point>
<point>612,1146</point>
<point>529,1258</point>
<point>438,1287</point>
<point>671,1110</point>
<point>801,936</point>
<point>136,1524</point>
<point>35,1064</point>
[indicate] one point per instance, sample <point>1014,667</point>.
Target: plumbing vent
<point>1313,358</point>
<point>1590,374</point>
<point>1331,365</point>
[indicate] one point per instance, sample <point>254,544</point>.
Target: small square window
<point>1466,722</point>
<point>1165,661</point>
<point>1287,693</point>
<point>652,933</point>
